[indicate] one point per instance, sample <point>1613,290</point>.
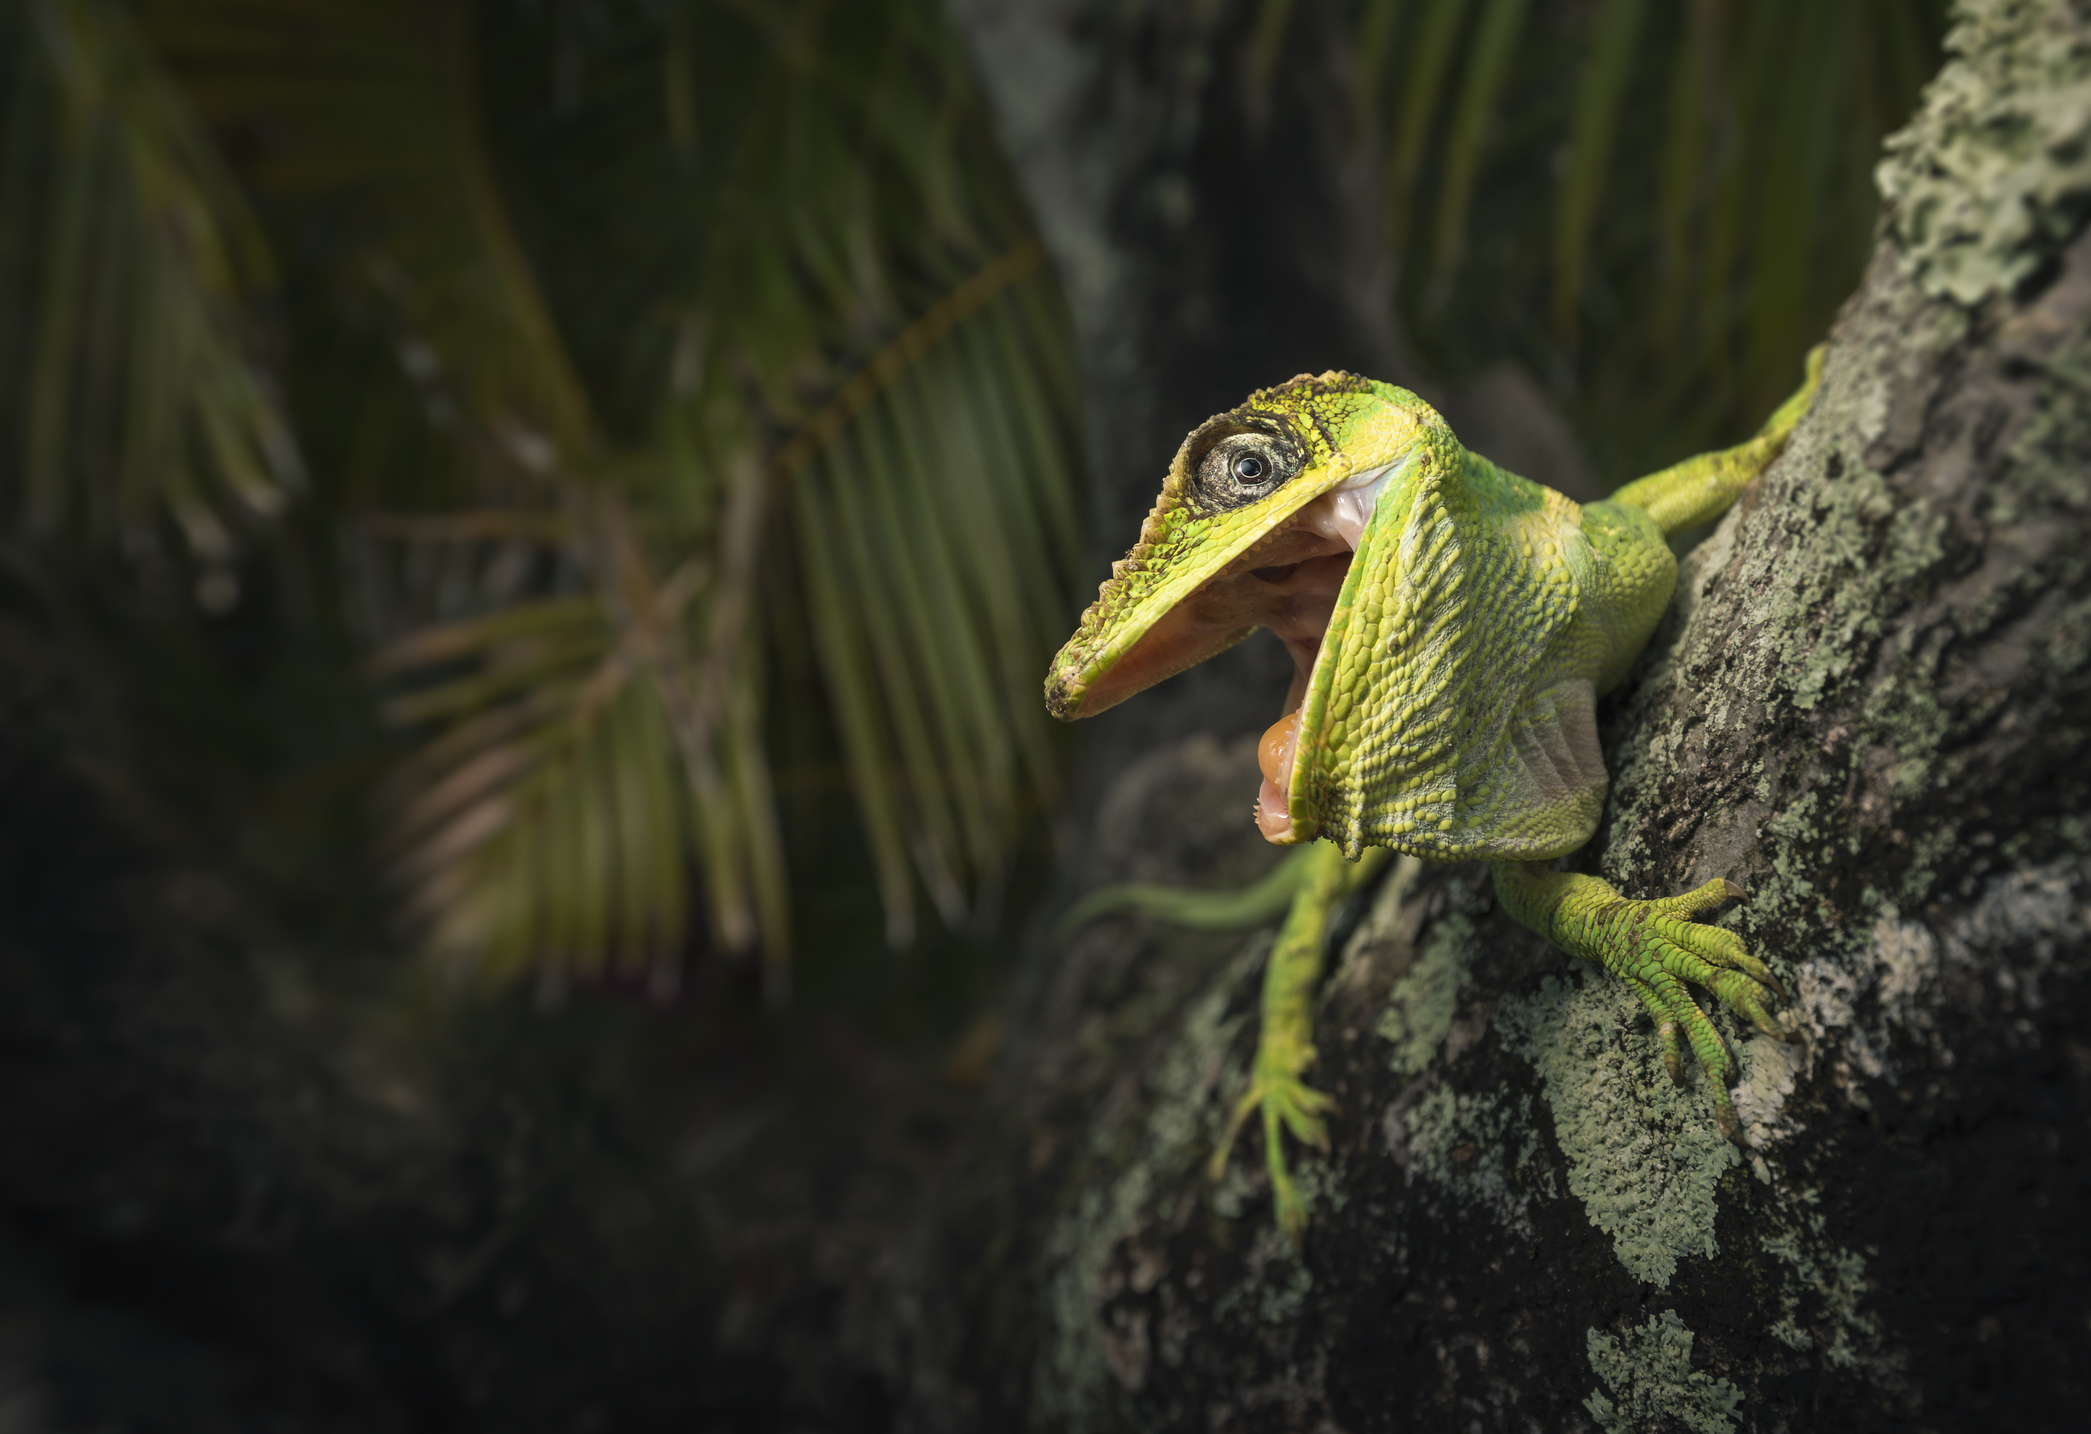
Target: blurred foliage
<point>129,390</point>
<point>1704,170</point>
<point>663,366</point>
<point>689,423</point>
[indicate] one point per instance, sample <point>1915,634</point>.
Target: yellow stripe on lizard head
<point>1235,481</point>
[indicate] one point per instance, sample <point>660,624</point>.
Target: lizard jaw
<point>1333,524</point>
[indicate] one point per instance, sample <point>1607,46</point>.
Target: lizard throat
<point>1301,568</point>
<point>1297,601</point>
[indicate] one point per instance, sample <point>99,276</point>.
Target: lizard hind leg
<point>1285,1040</point>
<point>1286,1102</point>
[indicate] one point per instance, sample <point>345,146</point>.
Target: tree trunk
<point>1869,708</point>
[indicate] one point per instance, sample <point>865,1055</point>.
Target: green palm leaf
<point>1488,65</point>
<point>927,507</point>
<point>1686,275</point>
<point>738,295</point>
<point>1599,99</point>
<point>126,269</point>
<point>374,106</point>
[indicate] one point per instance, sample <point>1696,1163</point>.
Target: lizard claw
<point>1658,947</point>
<point>1287,1103</point>
<point>1672,1048</point>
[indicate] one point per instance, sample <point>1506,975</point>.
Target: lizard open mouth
<point>1298,597</point>
<point>1290,580</point>
<point>1287,582</point>
<point>1293,578</point>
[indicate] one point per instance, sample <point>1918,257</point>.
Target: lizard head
<point>1258,521</point>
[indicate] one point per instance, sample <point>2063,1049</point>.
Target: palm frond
<point>1600,97</point>
<point>936,562</point>
<point>373,113</point>
<point>126,276</point>
<point>738,295</point>
<point>1688,272</point>
<point>1488,66</point>
<point>585,766</point>
<point>1418,86</point>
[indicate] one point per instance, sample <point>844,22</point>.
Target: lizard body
<point>1451,626</point>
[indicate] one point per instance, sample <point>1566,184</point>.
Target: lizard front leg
<point>1655,947</point>
<point>1285,1042</point>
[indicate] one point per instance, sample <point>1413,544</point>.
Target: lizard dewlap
<point>1451,625</point>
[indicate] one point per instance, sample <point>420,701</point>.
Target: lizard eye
<point>1242,468</point>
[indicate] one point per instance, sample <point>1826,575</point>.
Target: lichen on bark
<point>1649,1371</point>
<point>1995,171</point>
<point>1644,1156</point>
<point>1869,708</point>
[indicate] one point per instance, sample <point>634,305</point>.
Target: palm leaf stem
<point>862,387</point>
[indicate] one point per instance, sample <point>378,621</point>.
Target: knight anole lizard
<point>1451,626</point>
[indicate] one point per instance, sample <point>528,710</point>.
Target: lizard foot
<point>1287,1103</point>
<point>1657,947</point>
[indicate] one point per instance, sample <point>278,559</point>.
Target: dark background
<point>263,1164</point>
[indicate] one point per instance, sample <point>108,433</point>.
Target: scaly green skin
<point>1449,711</point>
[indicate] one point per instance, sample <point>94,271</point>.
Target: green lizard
<point>1451,626</point>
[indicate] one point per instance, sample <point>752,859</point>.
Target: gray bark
<point>1869,707</point>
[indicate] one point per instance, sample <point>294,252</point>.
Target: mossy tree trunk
<point>1870,708</point>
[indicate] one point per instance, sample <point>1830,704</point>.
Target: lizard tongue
<point>1274,755</point>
